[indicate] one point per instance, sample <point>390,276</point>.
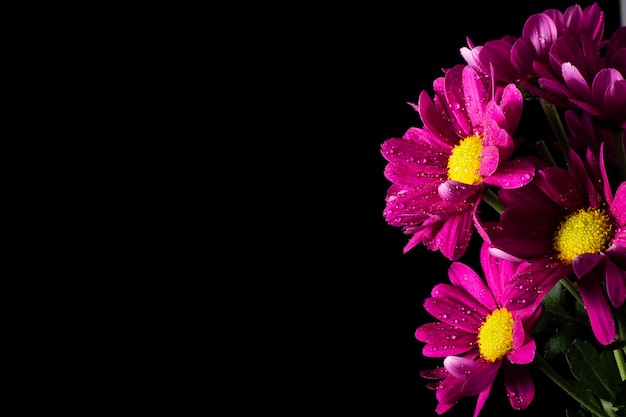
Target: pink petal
<point>541,31</point>
<point>576,83</point>
<point>616,276</point>
<point>525,353</point>
<point>512,104</point>
<point>489,161</point>
<point>618,209</point>
<point>464,277</point>
<point>478,374</point>
<point>455,235</point>
<point>598,309</point>
<point>519,385</point>
<point>476,96</point>
<point>513,174</point>
<point>584,263</point>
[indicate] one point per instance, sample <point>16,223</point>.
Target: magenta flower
<point>513,58</point>
<point>585,133</point>
<point>569,221</point>
<point>481,328</point>
<point>585,80</point>
<point>438,172</point>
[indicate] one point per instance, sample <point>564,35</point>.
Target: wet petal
<point>513,174</point>
<point>519,385</point>
<point>465,277</point>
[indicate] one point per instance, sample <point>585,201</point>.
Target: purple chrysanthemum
<point>569,221</point>
<point>513,58</point>
<point>577,77</point>
<point>438,172</point>
<point>586,133</point>
<point>481,328</point>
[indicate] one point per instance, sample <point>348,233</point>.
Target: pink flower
<point>481,328</point>
<point>569,221</point>
<point>513,58</point>
<point>579,78</point>
<point>438,172</point>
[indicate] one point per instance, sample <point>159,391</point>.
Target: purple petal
<point>476,96</point>
<point>519,385</point>
<point>598,309</point>
<point>532,281</point>
<point>618,209</point>
<point>434,121</point>
<point>616,279</point>
<point>453,191</point>
<point>513,174</point>
<point>456,98</point>
<point>576,82</point>
<point>455,235</point>
<point>541,31</point>
<point>585,262</point>
<point>489,161</point>
<point>525,353</point>
<point>464,277</point>
<point>512,104</point>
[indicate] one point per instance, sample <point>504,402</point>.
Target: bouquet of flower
<point>549,208</point>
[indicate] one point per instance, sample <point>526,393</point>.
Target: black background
<point>263,277</point>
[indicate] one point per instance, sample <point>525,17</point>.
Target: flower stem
<point>618,141</point>
<point>554,119</point>
<point>492,199</point>
<point>621,365</point>
<point>572,290</point>
<point>619,352</point>
<point>544,153</point>
<point>545,367</point>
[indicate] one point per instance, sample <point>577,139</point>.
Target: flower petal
<point>598,309</point>
<point>464,277</point>
<point>586,262</point>
<point>513,174</point>
<point>519,385</point>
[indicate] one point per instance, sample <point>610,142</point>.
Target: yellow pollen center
<point>464,163</point>
<point>585,231</point>
<point>495,336</point>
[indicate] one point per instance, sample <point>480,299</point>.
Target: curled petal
<point>513,174</point>
<point>584,263</point>
<point>453,191</point>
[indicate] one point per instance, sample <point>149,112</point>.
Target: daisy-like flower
<point>569,221</point>
<point>586,133</point>
<point>481,327</point>
<point>576,77</point>
<point>439,172</point>
<point>513,57</point>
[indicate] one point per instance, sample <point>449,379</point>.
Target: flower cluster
<point>549,207</point>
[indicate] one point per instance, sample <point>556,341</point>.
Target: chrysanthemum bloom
<point>585,133</point>
<point>569,221</point>
<point>439,172</point>
<point>513,59</point>
<point>482,327</point>
<point>577,77</point>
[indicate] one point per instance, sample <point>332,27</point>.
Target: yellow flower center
<point>495,336</point>
<point>464,163</point>
<point>585,231</point>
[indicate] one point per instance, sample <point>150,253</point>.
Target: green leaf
<point>596,372</point>
<point>559,343</point>
<point>569,412</point>
<point>620,400</point>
